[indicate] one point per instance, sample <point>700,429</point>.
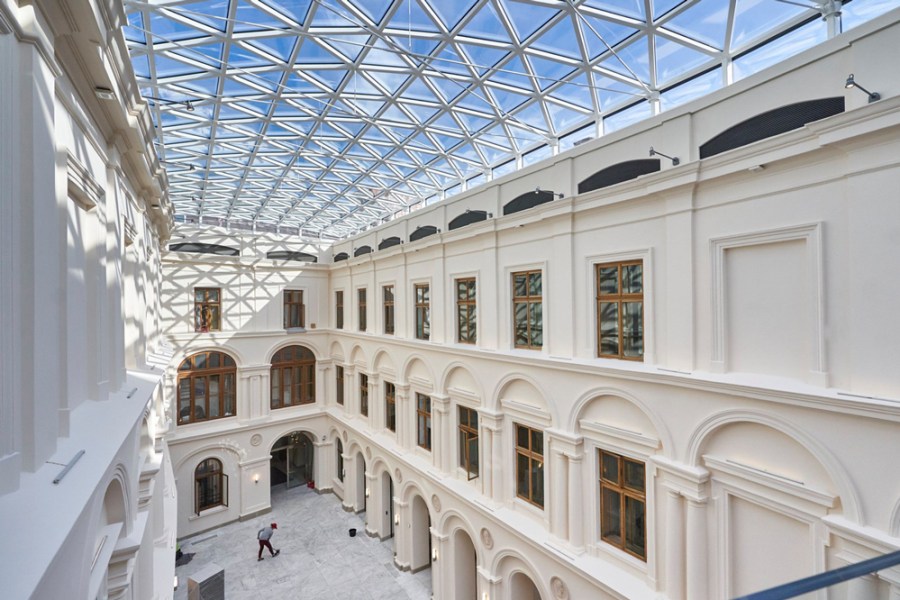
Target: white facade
<point>764,408</point>
<point>82,361</point>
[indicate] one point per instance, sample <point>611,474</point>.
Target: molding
<point>630,439</point>
<point>528,410</point>
<point>82,186</point>
<point>811,234</point>
<point>773,481</point>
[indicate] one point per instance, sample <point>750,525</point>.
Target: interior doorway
<point>291,464</point>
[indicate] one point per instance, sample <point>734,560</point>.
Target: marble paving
<point>318,560</point>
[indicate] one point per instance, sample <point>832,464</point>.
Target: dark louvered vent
<point>422,232</point>
<point>388,242</point>
<point>362,250</point>
<point>291,255</point>
<point>204,248</point>
<point>467,218</point>
<point>340,256</point>
<point>773,122</point>
<point>526,201</point>
<point>619,172</point>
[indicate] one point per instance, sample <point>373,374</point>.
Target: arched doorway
<point>292,460</point>
<point>421,535</point>
<point>521,587</point>
<point>464,565</point>
<point>387,505</point>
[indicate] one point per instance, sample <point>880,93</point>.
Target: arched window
<point>293,379</point>
<point>340,460</point>
<point>210,485</point>
<point>206,387</point>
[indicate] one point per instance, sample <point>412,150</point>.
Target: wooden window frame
<point>339,309</point>
<point>466,310</point>
<point>364,394</point>
<point>532,455</point>
<point>221,482</point>
<point>294,299</point>
<point>388,309</point>
<point>528,300</point>
<point>298,373</point>
<point>193,373</point>
<point>466,434</point>
<point>624,491</point>
<point>423,421</point>
<point>361,307</point>
<point>203,309</point>
<point>390,406</point>
<point>422,304</point>
<point>619,298</point>
<point>339,384</point>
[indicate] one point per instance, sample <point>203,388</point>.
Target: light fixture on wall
<point>367,492</point>
<point>396,519</point>
<point>434,555</point>
<point>675,160</point>
<point>256,478</point>
<point>851,83</point>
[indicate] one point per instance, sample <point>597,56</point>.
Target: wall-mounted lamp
<point>367,492</point>
<point>396,519</point>
<point>104,93</point>
<point>490,215</point>
<point>434,555</point>
<point>675,160</point>
<point>851,83</point>
<point>256,478</point>
<point>559,195</point>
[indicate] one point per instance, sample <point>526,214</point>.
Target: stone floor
<point>318,560</point>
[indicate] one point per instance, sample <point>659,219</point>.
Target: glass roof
<point>327,117</point>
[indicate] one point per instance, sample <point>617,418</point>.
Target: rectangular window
<point>339,384</point>
<point>388,293</point>
<point>423,420</point>
<point>468,441</point>
<point>528,319</point>
<point>339,309</point>
<point>390,406</point>
<point>361,302</point>
<point>465,311</point>
<point>207,309</point>
<point>294,309</point>
<point>623,503</point>
<point>423,312</point>
<point>620,310</point>
<point>530,464</point>
<point>364,394</point>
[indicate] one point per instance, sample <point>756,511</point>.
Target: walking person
<point>264,535</point>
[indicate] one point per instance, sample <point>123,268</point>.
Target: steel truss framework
<point>326,117</point>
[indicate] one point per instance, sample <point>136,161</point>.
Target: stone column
<point>441,575</point>
<point>674,546</point>
<point>488,585</point>
<point>376,407</point>
<point>324,470</point>
<point>557,484</point>
<point>493,454</point>
<point>373,504</point>
<point>696,549</point>
<point>403,410</point>
<point>402,533</point>
<point>349,503</point>
<point>576,500</point>
<point>323,375</point>
<point>350,394</point>
<point>440,432</point>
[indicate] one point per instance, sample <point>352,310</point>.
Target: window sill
<point>602,549</point>
<point>295,329</point>
<point>209,512</point>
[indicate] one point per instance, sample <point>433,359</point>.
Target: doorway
<point>292,460</point>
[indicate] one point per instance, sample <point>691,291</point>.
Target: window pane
<point>634,475</point>
<point>609,467</point>
<point>537,482</point>
<point>520,312</point>
<point>472,325</point>
<point>536,322</point>
<point>214,360</point>
<point>632,279</point>
<point>276,388</point>
<point>609,283</point>
<point>522,475</point>
<point>213,396</point>
<point>462,448</point>
<point>520,287</point>
<point>214,317</point>
<point>635,534</point>
<point>473,456</point>
<point>229,394</point>
<point>534,284</point>
<point>633,328</point>
<point>537,442</point>
<point>184,400</point>
<point>200,397</point>
<point>286,379</point>
<point>609,328</point>
<point>610,523</point>
<point>522,437</point>
<point>198,296</point>
<point>200,361</point>
<point>213,295</point>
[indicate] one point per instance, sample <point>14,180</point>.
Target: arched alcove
<point>420,558</point>
<point>464,565</point>
<point>293,460</point>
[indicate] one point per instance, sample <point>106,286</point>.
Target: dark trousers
<point>265,544</point>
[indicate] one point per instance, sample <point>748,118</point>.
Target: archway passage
<point>387,505</point>
<point>292,460</point>
<point>464,565</point>
<point>521,587</point>
<point>421,535</point>
<point>360,463</point>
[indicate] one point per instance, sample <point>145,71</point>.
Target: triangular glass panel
<point>485,25</point>
<point>280,47</point>
<point>472,122</point>
<point>597,31</point>
<point>528,18</point>
<point>393,114</point>
<point>374,9</point>
<point>358,84</point>
<point>411,17</point>
<point>628,8</point>
<point>295,10</point>
<point>362,107</point>
<point>312,53</point>
<point>576,91</point>
<point>532,115</point>
<point>506,100</point>
<point>134,29</point>
<point>449,88</point>
<point>613,93</point>
<point>350,127</point>
<point>167,67</point>
<point>331,14</point>
<point>693,88</point>
<point>561,39</point>
<point>330,77</point>
<point>445,121</point>
<point>563,117</point>
<point>549,72</point>
<point>389,80</point>
<point>209,54</point>
<point>451,12</point>
<point>673,60</point>
<point>232,89</point>
<point>239,57</point>
<point>491,154</point>
<point>754,19</point>
<point>250,18</point>
<point>141,66</point>
<point>297,84</point>
<point>496,135</point>
<point>271,80</point>
<point>422,113</point>
<point>513,73</point>
<point>383,56</point>
<point>228,112</point>
<point>350,45</point>
<point>626,117</point>
<point>482,57</point>
<point>661,7</point>
<point>705,22</point>
<point>167,29</point>
<point>635,55</point>
<point>416,48</point>
<point>448,61</point>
